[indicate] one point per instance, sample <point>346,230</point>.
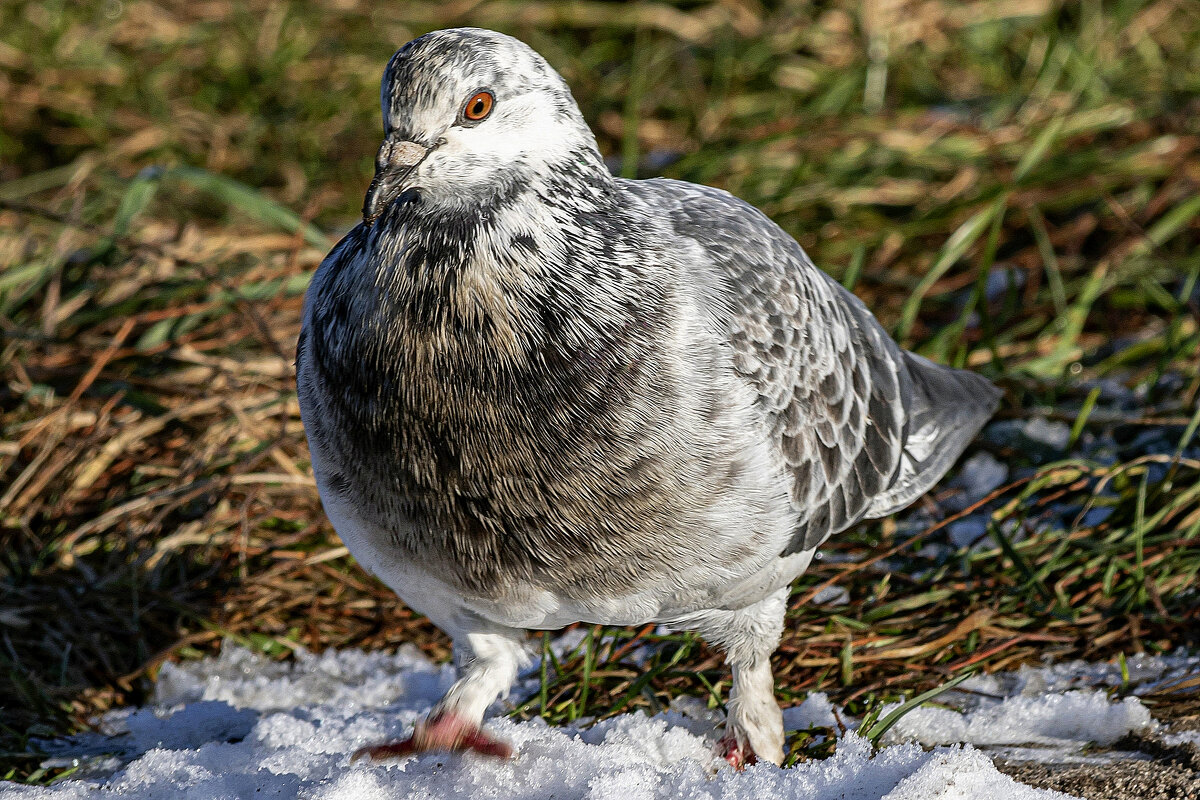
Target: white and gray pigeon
<point>536,394</point>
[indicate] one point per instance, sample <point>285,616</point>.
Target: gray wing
<point>864,426</point>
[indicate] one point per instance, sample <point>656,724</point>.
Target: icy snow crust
<point>242,726</point>
<point>1058,709</point>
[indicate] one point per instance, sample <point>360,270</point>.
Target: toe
<point>379,752</point>
<point>737,754</point>
<point>482,742</point>
<point>446,732</point>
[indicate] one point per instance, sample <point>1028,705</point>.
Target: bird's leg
<point>754,725</point>
<point>488,664</point>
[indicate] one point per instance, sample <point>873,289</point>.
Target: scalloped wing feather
<point>863,426</point>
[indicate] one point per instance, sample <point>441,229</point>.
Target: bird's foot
<point>736,753</point>
<point>445,732</point>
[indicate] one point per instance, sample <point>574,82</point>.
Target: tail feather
<point>948,407</point>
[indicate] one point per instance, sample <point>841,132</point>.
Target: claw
<point>738,755</point>
<point>446,732</point>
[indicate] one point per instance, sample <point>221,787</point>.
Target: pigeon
<point>536,394</point>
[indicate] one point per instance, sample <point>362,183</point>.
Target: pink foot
<point>445,732</point>
<point>740,756</point>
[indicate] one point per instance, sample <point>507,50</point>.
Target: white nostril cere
<point>400,154</point>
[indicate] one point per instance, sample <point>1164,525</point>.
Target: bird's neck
<point>492,281</point>
<point>451,324</point>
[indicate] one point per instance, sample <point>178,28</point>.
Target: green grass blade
<point>1170,224</point>
<point>255,204</point>
<point>1034,154</point>
<point>1081,419</point>
<point>955,248</point>
<point>879,728</point>
<point>855,268</point>
<point>135,200</point>
<point>1052,365</point>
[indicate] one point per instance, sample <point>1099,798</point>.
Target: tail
<point>947,408</point>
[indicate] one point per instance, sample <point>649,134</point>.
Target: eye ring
<point>478,106</point>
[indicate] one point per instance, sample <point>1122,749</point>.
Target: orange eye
<point>479,106</point>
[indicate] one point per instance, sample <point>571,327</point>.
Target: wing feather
<point>838,395</point>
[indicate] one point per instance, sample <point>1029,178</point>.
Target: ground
<point>242,724</point>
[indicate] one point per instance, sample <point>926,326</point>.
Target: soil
<point>1151,770</point>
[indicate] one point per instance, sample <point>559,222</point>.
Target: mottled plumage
<point>536,394</point>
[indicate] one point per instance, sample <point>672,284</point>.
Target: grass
<point>1013,187</point>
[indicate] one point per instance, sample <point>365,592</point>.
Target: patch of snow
<point>1002,279</point>
<point>1062,754</point>
<point>815,712</point>
<point>961,774</point>
<point>130,732</point>
<point>1146,673</point>
<point>696,715</point>
<point>1182,738</point>
<point>567,641</point>
<point>240,725</point>
<point>1072,718</point>
<point>350,679</point>
<point>1059,708</point>
<point>1113,393</point>
<point>1041,439</point>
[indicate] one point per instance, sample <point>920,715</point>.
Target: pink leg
<point>739,755</point>
<point>441,732</point>
<point>754,722</point>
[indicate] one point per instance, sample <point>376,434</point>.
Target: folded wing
<point>864,427</point>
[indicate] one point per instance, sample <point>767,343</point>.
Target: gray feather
<point>864,426</point>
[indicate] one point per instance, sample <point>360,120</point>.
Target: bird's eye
<point>479,106</point>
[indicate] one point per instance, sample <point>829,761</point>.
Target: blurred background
<point>1012,185</point>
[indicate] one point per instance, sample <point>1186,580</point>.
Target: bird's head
<point>471,116</point>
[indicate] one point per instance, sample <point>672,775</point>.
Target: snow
<point>627,758</point>
<point>1143,674</point>
<point>1054,435</point>
<point>240,725</point>
<point>1061,709</point>
<point>1182,739</point>
<point>815,712</point>
<point>1075,718</point>
<point>968,531</point>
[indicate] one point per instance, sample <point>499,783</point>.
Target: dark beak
<point>394,163</point>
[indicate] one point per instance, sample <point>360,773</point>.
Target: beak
<point>394,163</point>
